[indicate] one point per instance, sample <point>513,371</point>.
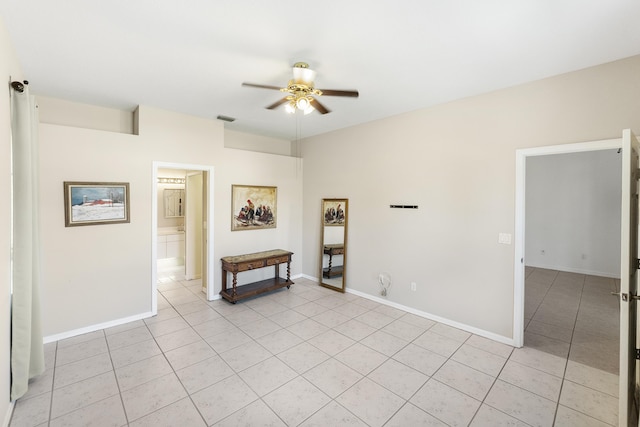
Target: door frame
<point>519,239</point>
<point>154,226</point>
<point>627,410</point>
<point>193,226</point>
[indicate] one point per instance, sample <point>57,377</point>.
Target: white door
<point>205,234</point>
<point>193,226</point>
<point>628,279</point>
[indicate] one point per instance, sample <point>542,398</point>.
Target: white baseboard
<point>473,330</point>
<point>93,328</point>
<point>464,327</point>
<point>574,270</point>
<point>7,416</point>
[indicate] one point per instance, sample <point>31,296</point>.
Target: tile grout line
<point>566,366</point>
<point>366,376</point>
<point>189,395</point>
<point>242,379</point>
<point>124,408</point>
<point>53,382</point>
<point>331,356</point>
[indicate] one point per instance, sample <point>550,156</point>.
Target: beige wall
<point>9,69</point>
<point>262,144</point>
<point>99,274</point>
<point>61,112</point>
<point>573,212</point>
<point>457,162</point>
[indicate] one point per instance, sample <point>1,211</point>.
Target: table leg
<point>224,280</point>
<point>235,282</point>
<point>288,271</point>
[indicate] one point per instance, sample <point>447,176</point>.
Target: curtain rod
<point>19,86</point>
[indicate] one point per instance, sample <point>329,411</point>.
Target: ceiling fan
<point>301,93</point>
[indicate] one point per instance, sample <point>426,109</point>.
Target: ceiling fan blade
<point>261,86</point>
<point>332,92</point>
<point>277,103</point>
<point>318,106</point>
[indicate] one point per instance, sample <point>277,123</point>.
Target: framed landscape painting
<point>93,203</point>
<point>253,207</point>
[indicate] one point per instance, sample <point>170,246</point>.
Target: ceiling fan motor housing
<point>302,74</point>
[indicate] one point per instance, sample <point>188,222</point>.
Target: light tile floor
<point>306,356</point>
<point>575,316</point>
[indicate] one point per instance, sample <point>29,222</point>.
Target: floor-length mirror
<point>333,247</point>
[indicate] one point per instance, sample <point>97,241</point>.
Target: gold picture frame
<point>333,211</point>
<point>253,207</point>
<point>95,203</point>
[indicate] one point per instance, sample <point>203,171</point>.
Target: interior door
<point>193,226</point>
<point>628,279</point>
<point>205,233</point>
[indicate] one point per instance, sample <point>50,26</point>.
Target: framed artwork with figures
<point>333,211</point>
<point>253,207</point>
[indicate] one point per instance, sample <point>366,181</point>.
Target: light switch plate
<point>504,238</point>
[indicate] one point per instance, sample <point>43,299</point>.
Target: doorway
<point>193,224</point>
<point>520,224</point>
<point>580,297</point>
<point>572,265</point>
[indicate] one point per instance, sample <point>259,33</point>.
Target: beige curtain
<point>27,353</point>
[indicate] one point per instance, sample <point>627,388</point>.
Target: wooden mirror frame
<point>334,221</point>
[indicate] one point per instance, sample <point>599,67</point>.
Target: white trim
<point>154,239</point>
<point>7,417</point>
<point>518,270</point>
<point>519,258</point>
<point>210,292</point>
<point>480,332</point>
<point>476,331</point>
<point>578,147</point>
<point>97,327</point>
<point>576,270</point>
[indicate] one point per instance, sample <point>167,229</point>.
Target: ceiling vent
<point>226,118</point>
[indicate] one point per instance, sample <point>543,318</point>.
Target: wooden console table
<point>331,250</point>
<point>240,263</point>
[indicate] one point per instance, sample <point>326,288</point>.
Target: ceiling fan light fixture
<point>300,92</point>
<point>290,107</point>
<point>302,103</point>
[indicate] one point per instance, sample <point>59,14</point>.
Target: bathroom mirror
<point>333,248</point>
<point>173,202</point>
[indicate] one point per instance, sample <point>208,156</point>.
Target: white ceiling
<point>191,56</point>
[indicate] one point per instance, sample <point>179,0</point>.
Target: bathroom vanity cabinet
<point>171,245</point>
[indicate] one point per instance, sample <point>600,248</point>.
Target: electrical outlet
<point>413,286</point>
